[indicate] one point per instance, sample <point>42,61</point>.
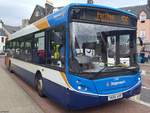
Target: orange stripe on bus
<point>41,24</point>
<point>65,79</point>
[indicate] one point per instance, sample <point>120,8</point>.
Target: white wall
<point>2,44</point>
<point>0,25</point>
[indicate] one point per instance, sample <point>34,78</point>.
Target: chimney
<point>25,22</point>
<point>48,8</point>
<point>90,1</point>
<point>1,24</point>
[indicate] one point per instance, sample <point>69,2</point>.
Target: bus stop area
<point>18,97</point>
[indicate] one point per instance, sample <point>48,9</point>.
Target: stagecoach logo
<point>115,83</point>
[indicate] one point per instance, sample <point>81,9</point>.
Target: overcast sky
<point>13,11</point>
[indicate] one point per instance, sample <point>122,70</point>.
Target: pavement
<point>18,97</point>
<point>145,95</point>
<point>145,92</point>
<point>13,99</point>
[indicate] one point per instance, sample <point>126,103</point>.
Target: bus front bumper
<point>79,100</point>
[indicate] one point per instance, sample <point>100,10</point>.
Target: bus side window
<point>28,50</point>
<point>39,48</point>
<point>56,47</point>
<point>21,56</point>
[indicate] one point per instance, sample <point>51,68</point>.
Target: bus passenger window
<point>56,48</point>
<point>39,48</point>
<point>28,50</point>
<point>21,56</point>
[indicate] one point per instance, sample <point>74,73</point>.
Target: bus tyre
<point>39,85</point>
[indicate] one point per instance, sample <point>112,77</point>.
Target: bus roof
<point>57,18</point>
<point>101,6</point>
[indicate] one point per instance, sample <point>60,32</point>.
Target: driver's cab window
<point>124,49</point>
<point>118,49</point>
<point>111,50</point>
<point>56,47</point>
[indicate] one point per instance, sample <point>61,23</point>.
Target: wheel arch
<point>37,74</point>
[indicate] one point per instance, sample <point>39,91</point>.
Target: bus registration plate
<point>115,96</point>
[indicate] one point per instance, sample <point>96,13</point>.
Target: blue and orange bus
<point>83,55</point>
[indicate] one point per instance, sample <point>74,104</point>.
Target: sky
<point>13,11</point>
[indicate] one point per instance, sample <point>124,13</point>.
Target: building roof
<point>33,17</point>
<point>42,12</point>
<point>138,9</point>
<point>41,9</point>
<point>7,30</point>
<point>11,29</point>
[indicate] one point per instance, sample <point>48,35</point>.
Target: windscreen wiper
<point>115,68</point>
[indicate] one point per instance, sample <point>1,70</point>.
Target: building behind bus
<point>143,27</point>
<point>5,32</point>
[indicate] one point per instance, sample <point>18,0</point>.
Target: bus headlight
<point>82,88</point>
<point>139,78</point>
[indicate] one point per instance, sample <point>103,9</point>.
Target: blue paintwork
<point>103,86</point>
<point>76,82</point>
<point>56,92</point>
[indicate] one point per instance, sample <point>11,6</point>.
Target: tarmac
<point>13,99</point>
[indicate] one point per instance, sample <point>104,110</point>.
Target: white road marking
<point>145,88</point>
<point>142,102</point>
<point>143,72</point>
<point>137,98</point>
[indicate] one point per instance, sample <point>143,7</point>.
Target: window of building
<point>37,13</point>
<point>142,35</point>
<point>143,17</point>
<point>147,48</point>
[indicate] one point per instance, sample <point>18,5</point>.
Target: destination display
<point>111,18</point>
<point>103,16</point>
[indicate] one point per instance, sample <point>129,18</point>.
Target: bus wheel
<point>39,85</point>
